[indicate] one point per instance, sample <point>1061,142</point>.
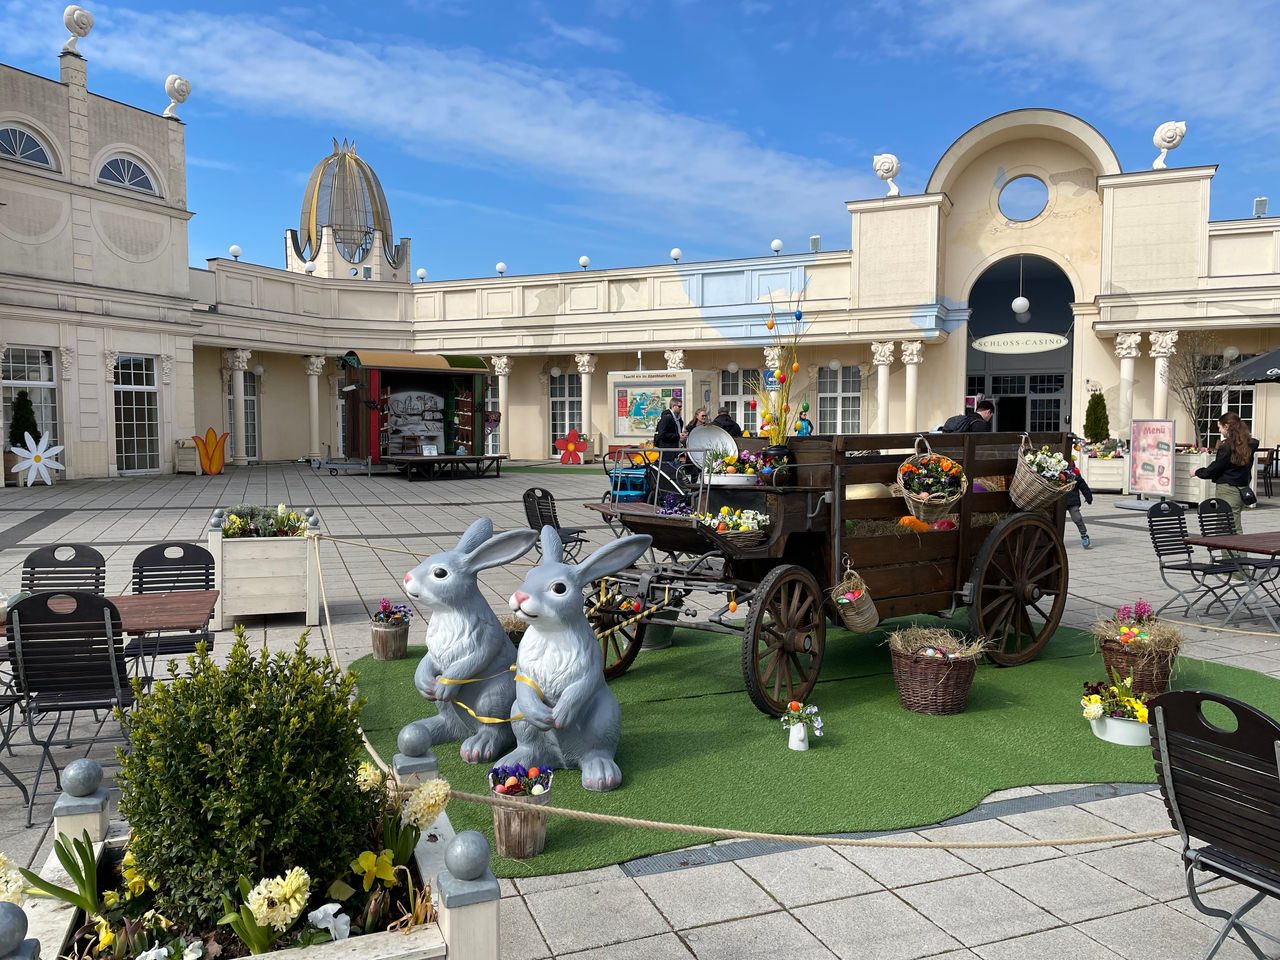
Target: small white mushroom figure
<point>886,168</point>
<point>1168,136</point>
<point>79,21</point>
<point>177,89</point>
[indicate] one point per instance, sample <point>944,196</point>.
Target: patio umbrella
<point>1264,368</point>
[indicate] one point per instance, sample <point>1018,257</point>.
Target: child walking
<point>1073,505</point>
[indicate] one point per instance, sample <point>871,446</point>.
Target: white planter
<point>1104,475</point>
<point>1127,733</point>
<point>732,479</point>
<point>258,575</point>
<point>54,922</point>
<point>1187,489</point>
<point>799,737</point>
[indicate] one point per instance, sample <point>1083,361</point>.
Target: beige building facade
<point>127,351</point>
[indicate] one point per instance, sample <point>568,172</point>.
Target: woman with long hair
<point>1232,468</point>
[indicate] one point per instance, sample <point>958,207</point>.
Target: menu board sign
<point>1151,457</point>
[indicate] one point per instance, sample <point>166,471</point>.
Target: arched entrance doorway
<point>1022,363</point>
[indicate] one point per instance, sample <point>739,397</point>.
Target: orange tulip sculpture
<point>212,449</point>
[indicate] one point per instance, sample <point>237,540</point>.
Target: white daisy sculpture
<point>37,458</point>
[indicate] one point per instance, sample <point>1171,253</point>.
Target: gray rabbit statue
<point>565,715</point>
<point>467,669</point>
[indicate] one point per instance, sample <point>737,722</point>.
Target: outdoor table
<point>1264,573</point>
<point>142,613</point>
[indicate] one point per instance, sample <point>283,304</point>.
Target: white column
<point>586,366</point>
<point>238,363</point>
<point>1163,346</point>
<point>502,370</point>
<point>1128,346</point>
<point>912,351</point>
<point>882,357</point>
<point>314,367</point>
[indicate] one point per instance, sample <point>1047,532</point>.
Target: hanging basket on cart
<point>933,669</point>
<point>1040,478</point>
<point>853,602</point>
<point>743,528</point>
<point>930,483</point>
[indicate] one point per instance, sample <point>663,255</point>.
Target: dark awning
<point>404,360</point>
<point>1264,368</point>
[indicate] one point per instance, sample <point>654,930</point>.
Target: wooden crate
<point>259,575</point>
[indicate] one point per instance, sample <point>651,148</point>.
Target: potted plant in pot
<point>390,629</point>
<point>521,834</point>
<point>264,562</point>
<point>798,720</point>
<point>1135,643</point>
<point>934,668</point>
<point>1116,713</point>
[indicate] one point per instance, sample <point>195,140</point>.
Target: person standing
<point>727,423</point>
<point>1081,489</point>
<point>670,434</point>
<point>699,419</point>
<point>1232,467</point>
<point>977,420</point>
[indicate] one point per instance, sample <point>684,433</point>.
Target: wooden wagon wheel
<point>1020,574</point>
<point>621,646</point>
<point>784,639</point>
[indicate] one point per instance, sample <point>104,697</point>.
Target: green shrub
<point>245,769</point>
<point>22,420</point>
<point>1097,426</point>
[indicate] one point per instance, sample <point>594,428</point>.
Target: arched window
<point>25,147</point>
<point>123,172</point>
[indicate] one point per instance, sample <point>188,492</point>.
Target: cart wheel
<point>333,472</point>
<point>784,639</point>
<point>619,646</point>
<point>1020,573</point>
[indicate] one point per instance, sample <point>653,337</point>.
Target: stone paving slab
<point>814,902</point>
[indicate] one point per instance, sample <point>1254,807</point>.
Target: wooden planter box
<point>1106,476</point>
<point>257,575</point>
<point>1185,488</point>
<point>53,922</point>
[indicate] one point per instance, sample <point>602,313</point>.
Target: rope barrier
<point>704,831</point>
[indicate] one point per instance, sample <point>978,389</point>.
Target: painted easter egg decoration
<point>752,404</point>
<point>804,407</point>
<point>795,366</point>
<point>782,377</point>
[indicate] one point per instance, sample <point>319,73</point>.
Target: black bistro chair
<point>67,658</point>
<point>80,568</point>
<point>1222,790</point>
<point>540,511</point>
<point>170,568</point>
<point>1167,525</point>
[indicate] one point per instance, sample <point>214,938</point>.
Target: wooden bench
<point>430,468</point>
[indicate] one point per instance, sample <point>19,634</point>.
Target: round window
<point>1023,198</point>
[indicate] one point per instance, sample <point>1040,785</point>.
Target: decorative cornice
<point>501,366</point>
<point>166,368</point>
<point>314,366</point>
<point>111,358</point>
<point>1128,345</point>
<point>882,353</point>
<point>912,351</point>
<point>586,362</point>
<point>1164,343</point>
<point>67,356</point>
<point>675,359</point>
<point>238,358</point>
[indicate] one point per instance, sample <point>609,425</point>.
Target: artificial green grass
<point>694,750</point>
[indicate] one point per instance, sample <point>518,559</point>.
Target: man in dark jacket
<point>727,423</point>
<point>670,434</point>
<point>1073,505</point>
<point>977,420</point>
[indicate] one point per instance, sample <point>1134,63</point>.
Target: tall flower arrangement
<point>775,405</point>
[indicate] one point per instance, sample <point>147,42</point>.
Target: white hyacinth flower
<point>1093,711</point>
<point>37,458</point>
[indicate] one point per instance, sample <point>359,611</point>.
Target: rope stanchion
<point>717,832</point>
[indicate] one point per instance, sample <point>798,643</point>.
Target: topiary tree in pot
<point>23,420</point>
<point>1097,425</point>
<point>247,769</point>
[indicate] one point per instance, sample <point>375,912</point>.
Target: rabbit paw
<point>563,714</point>
<point>445,691</point>
<point>600,773</point>
<point>479,748</point>
<point>539,715</point>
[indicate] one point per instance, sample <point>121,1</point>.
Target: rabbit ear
<point>552,547</point>
<point>476,534</point>
<point>611,558</point>
<point>503,548</point>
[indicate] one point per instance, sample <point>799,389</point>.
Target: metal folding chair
<point>540,511</point>
<point>1222,789</point>
<point>1167,525</point>
<point>67,658</point>
<point>80,568</point>
<point>169,568</point>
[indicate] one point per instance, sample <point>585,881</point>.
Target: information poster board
<point>638,406</point>
<point>1151,457</point>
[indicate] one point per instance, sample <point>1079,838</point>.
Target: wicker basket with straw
<point>933,669</point>
<point>926,468</point>
<point>853,602</point>
<point>1029,489</point>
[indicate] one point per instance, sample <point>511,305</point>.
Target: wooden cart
<point>1006,567</point>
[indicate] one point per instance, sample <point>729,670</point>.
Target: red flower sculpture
<point>571,447</point>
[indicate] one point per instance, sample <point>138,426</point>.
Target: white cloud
<point>207,163</point>
<point>609,142</point>
<point>1144,61</point>
<point>583,36</point>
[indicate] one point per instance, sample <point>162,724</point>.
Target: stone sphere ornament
<point>81,778</point>
<point>467,855</point>
<point>13,928</point>
<point>413,741</point>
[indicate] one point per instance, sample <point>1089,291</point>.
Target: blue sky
<point>536,132</point>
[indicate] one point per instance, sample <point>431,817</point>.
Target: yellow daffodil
<point>111,899</point>
<point>374,867</point>
<point>724,510</point>
<point>106,936</point>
